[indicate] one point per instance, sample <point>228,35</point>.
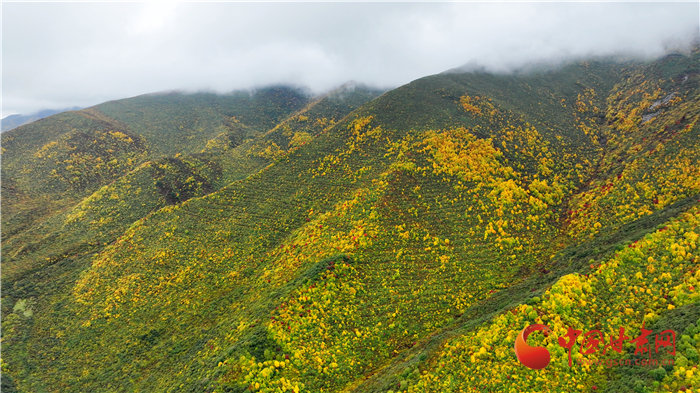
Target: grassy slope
<point>41,261</point>
<point>49,166</point>
<point>669,142</point>
<point>151,185</point>
<point>260,284</point>
<point>53,163</point>
<point>184,123</point>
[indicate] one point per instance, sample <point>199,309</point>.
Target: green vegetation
<point>356,242</point>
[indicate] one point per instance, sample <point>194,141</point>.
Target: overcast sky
<point>57,55</point>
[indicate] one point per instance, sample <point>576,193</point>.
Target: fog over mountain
<point>59,55</point>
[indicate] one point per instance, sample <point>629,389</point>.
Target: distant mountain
<point>14,121</point>
<point>359,241</point>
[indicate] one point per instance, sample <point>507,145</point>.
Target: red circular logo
<point>535,358</point>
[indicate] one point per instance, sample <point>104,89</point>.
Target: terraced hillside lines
<point>395,244</point>
<point>407,279</point>
<point>580,259</point>
<point>338,167</point>
<point>615,294</point>
<point>235,205</point>
<point>112,292</point>
<point>110,211</point>
<point>307,317</point>
<point>47,241</point>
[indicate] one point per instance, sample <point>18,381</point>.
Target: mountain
<point>356,241</point>
<point>14,121</point>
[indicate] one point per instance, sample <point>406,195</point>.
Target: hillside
<point>356,242</point>
<point>117,178</point>
<point>72,154</point>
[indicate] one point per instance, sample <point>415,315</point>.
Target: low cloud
<point>64,54</point>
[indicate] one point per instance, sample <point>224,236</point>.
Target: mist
<point>58,55</point>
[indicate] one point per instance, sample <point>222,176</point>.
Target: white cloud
<point>64,54</point>
<point>152,18</point>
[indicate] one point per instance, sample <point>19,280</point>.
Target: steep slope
<point>42,258</point>
<point>614,293</point>
<point>630,194</point>
<point>152,185</point>
<point>360,249</point>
